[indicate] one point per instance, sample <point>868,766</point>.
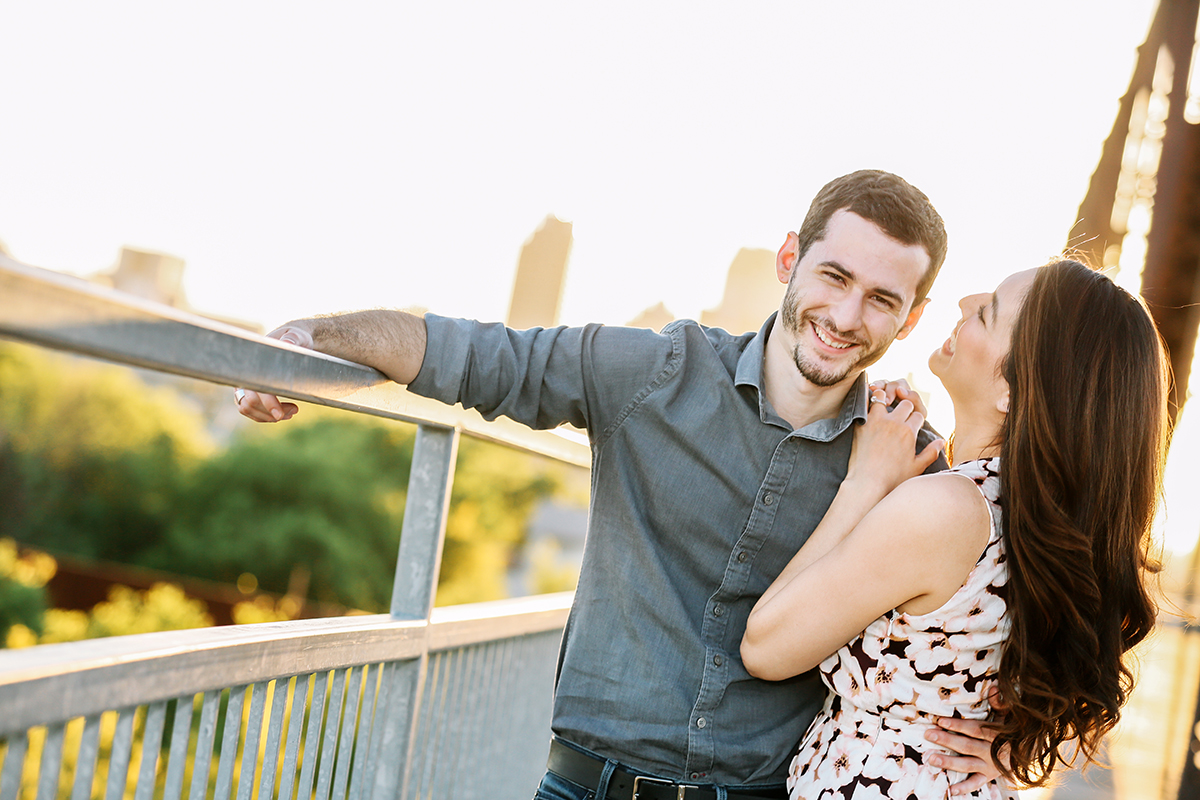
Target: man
<point>714,457</point>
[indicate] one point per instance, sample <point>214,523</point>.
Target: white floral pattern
<point>886,686</point>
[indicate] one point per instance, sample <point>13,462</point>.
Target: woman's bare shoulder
<point>932,511</point>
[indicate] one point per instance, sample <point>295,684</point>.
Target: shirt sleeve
<point>924,436</point>
<point>542,377</point>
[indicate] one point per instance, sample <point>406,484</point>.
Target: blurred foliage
<point>23,588</point>
<point>90,456</point>
<point>495,491</point>
<point>326,493</point>
<point>97,464</point>
<point>162,607</point>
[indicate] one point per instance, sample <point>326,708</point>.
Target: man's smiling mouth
<point>825,338</point>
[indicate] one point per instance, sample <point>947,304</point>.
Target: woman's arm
<point>881,458</point>
<point>911,551</point>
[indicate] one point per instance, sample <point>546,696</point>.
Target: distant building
<point>541,273</point>
<point>752,293</point>
<point>157,277</point>
<point>655,318</point>
<point>149,275</point>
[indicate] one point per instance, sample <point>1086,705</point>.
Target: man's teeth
<point>821,335</point>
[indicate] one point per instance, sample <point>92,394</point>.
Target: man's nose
<point>846,314</point>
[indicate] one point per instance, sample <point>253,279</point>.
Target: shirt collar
<point>750,373</point>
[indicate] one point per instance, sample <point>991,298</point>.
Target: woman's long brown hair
<point>1081,452</point>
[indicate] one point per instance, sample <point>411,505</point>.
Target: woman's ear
<point>1002,403</point>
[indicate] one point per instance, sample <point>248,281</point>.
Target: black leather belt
<point>585,770</point>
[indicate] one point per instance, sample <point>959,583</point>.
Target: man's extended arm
<point>392,342</point>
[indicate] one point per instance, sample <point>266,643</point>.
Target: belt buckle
<point>680,795</point>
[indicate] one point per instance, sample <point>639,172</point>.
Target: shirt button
<point>718,610</point>
<point>768,498</point>
<point>700,723</point>
<point>742,557</point>
<point>717,660</point>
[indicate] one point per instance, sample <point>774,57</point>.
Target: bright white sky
<point>306,157</point>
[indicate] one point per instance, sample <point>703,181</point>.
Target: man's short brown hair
<point>901,210</point>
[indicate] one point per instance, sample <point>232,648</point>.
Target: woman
<point>1059,376</point>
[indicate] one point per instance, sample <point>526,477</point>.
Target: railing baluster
<point>367,730</point>
<point>51,765</point>
<point>312,735</point>
<point>333,726</point>
<point>420,752</point>
<point>266,782</point>
<point>85,763</point>
<point>229,743</point>
<point>349,731</point>
<point>489,687</point>
<point>440,722</point>
<point>291,745</point>
<point>465,721</point>
<point>258,696</point>
<point>122,751</point>
<point>14,766</point>
<point>181,731</point>
<point>379,731</point>
<point>152,733</point>
<point>206,734</point>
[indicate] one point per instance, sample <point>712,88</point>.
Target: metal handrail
<point>68,313</point>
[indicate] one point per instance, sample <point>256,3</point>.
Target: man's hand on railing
<point>263,407</point>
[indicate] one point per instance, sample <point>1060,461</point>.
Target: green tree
<point>90,455</point>
<point>326,494</point>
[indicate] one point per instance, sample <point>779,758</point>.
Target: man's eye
<point>979,314</point>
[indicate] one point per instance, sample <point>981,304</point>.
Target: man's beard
<point>814,370</point>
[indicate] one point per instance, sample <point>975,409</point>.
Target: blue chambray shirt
<point>701,494</point>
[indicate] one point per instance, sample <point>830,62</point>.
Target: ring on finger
<point>238,394</point>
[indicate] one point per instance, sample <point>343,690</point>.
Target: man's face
<point>848,298</point>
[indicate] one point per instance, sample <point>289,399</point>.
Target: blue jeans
<point>555,788</point>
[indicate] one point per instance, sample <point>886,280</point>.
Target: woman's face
<point>968,364</point>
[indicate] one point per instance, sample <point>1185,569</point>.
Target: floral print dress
<point>868,742</point>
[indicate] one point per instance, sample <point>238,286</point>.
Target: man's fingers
<point>264,407</point>
<point>293,334</point>
<point>973,730</point>
<point>970,784</point>
<point>972,748</point>
<point>964,764</point>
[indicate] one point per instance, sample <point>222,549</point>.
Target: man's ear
<point>785,260</point>
<point>914,316</point>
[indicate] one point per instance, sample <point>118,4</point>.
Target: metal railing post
<point>417,567</point>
